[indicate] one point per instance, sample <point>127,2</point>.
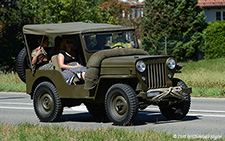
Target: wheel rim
<point>45,103</point>
<point>118,106</point>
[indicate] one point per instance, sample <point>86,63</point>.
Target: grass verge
<point>36,132</point>
<point>27,132</point>
<point>10,82</point>
<point>205,77</point>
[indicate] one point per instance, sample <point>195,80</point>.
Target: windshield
<point>124,39</point>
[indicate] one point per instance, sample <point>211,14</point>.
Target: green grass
<point>10,82</point>
<point>207,77</point>
<point>30,132</point>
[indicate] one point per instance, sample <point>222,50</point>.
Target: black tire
<point>121,104</point>
<point>21,64</point>
<point>47,104</point>
<point>96,109</point>
<point>178,110</point>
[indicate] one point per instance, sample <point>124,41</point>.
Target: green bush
<point>215,40</point>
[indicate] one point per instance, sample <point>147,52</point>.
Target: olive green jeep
<point>120,78</point>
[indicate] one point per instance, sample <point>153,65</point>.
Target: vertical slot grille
<point>156,75</point>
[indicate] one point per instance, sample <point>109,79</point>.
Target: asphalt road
<point>206,117</point>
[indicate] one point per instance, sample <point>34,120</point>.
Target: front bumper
<point>157,95</point>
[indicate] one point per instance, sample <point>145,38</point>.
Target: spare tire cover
<point>21,64</point>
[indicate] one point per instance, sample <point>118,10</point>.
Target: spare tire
<point>21,64</point>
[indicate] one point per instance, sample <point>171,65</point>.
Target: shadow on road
<point>82,117</point>
<point>143,118</point>
<point>146,117</point>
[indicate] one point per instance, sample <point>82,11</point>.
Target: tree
<point>16,13</point>
<point>180,20</point>
<point>10,36</point>
<point>117,12</point>
<point>215,41</point>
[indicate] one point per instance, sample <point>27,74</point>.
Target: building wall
<point>211,14</point>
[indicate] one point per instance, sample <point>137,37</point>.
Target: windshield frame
<point>94,35</point>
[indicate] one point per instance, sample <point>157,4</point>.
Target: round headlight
<point>141,66</point>
<point>171,63</point>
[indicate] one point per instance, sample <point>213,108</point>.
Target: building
<point>136,8</point>
<point>214,9</point>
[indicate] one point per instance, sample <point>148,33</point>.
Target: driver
<point>101,41</point>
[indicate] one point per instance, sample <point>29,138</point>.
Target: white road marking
<point>207,111</point>
<point>76,109</point>
<point>16,108</point>
<point>82,108</point>
<point>15,103</point>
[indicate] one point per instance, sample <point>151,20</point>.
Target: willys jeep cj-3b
<point>120,78</point>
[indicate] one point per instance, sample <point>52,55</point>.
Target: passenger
<point>68,62</point>
<point>39,55</point>
<point>55,50</point>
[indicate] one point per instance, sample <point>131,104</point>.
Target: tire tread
<point>57,112</point>
<point>131,95</point>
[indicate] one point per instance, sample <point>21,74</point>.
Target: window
<point>223,15</point>
<point>142,12</point>
<point>218,16</point>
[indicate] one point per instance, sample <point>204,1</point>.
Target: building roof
<point>211,3</point>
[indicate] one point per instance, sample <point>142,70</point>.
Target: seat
<point>55,63</point>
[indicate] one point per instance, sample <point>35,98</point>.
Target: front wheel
<point>179,109</point>
<point>121,104</point>
<point>47,104</point>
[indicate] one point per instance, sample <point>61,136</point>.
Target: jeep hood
<point>127,61</point>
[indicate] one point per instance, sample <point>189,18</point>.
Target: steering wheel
<point>118,46</point>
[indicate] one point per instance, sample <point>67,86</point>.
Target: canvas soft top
<point>70,28</point>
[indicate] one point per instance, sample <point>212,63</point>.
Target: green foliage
<point>57,11</point>
<point>215,39</point>
<point>179,19</point>
<point>189,47</point>
<point>16,13</point>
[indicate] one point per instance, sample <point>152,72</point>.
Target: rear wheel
<point>180,108</point>
<point>121,104</point>
<point>47,104</point>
